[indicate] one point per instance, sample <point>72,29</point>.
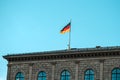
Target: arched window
<point>116,74</point>
<point>65,75</point>
<point>89,74</point>
<point>42,75</point>
<point>19,76</point>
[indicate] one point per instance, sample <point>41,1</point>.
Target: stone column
<point>101,69</point>
<point>53,70</point>
<point>30,71</point>
<point>76,71</point>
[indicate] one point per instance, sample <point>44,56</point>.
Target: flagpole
<point>69,45</point>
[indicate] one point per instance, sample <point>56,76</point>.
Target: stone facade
<point>101,60</point>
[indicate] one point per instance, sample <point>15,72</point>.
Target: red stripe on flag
<point>66,28</point>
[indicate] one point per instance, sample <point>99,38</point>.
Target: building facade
<point>100,63</point>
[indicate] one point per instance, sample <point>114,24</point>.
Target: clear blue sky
<point>34,25</point>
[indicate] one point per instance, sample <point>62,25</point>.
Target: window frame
<point>67,75</point>
<point>41,77</point>
<point>89,74</point>
<point>116,73</point>
<point>20,77</point>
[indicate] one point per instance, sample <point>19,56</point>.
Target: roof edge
<point>97,48</point>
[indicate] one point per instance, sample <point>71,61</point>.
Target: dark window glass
<point>42,75</point>
<point>116,74</point>
<point>89,74</point>
<point>65,75</point>
<point>19,76</point>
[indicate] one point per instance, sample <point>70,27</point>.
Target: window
<point>65,75</point>
<point>89,74</point>
<point>42,75</point>
<point>19,76</point>
<point>116,74</point>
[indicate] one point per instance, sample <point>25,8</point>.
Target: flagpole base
<point>69,47</point>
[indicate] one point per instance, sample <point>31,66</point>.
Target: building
<point>99,63</point>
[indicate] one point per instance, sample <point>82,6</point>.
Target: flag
<point>66,28</point>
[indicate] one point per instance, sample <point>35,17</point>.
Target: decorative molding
<point>53,63</point>
<point>102,60</point>
<point>71,55</point>
<point>77,62</point>
<point>31,64</point>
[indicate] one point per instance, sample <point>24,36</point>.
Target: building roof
<point>62,53</point>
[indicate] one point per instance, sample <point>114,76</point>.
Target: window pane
<point>118,70</point>
<point>113,75</point>
<point>114,71</point>
<point>65,75</point>
<point>116,74</point>
<point>91,72</point>
<point>87,72</point>
<point>40,79</point>
<point>89,75</point>
<point>42,75</point>
<point>19,76</point>
<point>118,78</point>
<point>86,77</point>
<point>44,78</point>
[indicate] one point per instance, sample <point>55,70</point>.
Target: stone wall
<point>53,68</point>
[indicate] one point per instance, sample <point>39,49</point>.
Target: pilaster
<point>53,70</point>
<point>9,72</point>
<point>76,71</point>
<point>101,69</point>
<point>30,71</point>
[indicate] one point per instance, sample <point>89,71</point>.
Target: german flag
<point>66,28</point>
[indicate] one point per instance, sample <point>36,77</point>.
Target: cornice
<point>65,54</point>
